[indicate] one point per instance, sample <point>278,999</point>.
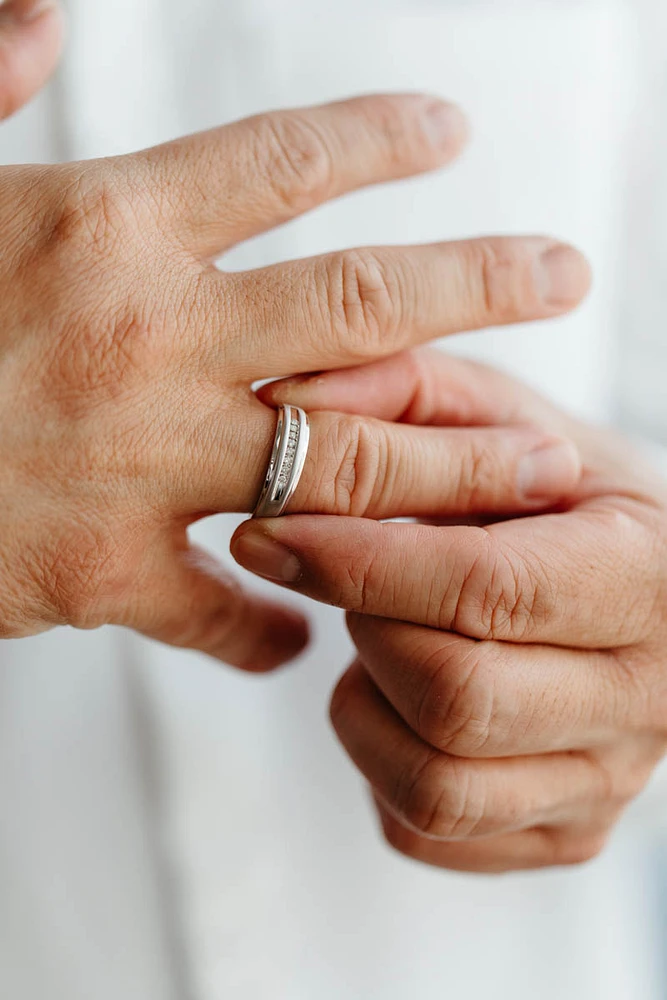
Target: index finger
<point>223,186</point>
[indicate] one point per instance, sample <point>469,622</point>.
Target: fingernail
<point>445,124</point>
<point>262,555</point>
<point>549,472</point>
<point>564,275</point>
<point>23,11</point>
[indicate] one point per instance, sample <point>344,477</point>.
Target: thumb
<point>185,598</point>
<point>31,37</point>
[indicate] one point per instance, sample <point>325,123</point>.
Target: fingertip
<point>380,389</point>
<point>423,131</point>
<point>259,552</point>
<point>447,126</point>
<point>565,277</point>
<point>550,472</point>
<point>287,390</point>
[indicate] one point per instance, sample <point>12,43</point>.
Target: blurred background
<point>170,830</point>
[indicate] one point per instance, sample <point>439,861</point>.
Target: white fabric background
<point>643,359</point>
<point>174,830</point>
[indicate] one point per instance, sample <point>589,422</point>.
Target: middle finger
<point>348,307</point>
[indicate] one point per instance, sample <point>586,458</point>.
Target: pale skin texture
<point>510,693</point>
<point>127,358</point>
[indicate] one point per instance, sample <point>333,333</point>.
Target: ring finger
<point>369,468</point>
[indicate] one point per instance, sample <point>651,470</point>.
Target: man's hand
<point>510,693</point>
<point>127,358</point>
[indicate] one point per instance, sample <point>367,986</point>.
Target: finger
<point>226,185</point>
<point>540,847</point>
<point>31,37</point>
<point>368,468</point>
<point>587,578</point>
<point>378,470</point>
<point>449,798</point>
<point>345,308</point>
<point>186,599</point>
<point>427,387</point>
<point>491,699</point>
<point>424,387</point>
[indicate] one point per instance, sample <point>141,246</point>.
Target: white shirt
<point>174,830</point>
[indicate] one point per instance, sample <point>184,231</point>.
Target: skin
<point>127,357</point>
<point>509,694</point>
<point>509,698</point>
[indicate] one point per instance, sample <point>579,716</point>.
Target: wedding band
<point>288,457</point>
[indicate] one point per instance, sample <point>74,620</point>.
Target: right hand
<point>127,358</point>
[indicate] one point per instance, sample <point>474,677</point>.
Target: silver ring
<point>288,457</point>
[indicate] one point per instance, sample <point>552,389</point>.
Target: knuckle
<point>103,359</point>
<point>457,712</point>
<point>101,331</point>
<point>440,799</point>
<point>419,793</point>
<point>101,338</point>
<point>360,579</point>
<point>124,351</point>
<point>638,685</point>
<point>362,295</point>
<point>478,475</point>
<point>639,553</point>
<point>505,270</point>
<point>89,215</point>
<point>500,596</point>
<point>618,778</point>
<point>296,161</point>
<point>361,473</point>
<point>608,781</point>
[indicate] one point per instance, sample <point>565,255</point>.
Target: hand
<point>127,358</point>
<point>510,693</point>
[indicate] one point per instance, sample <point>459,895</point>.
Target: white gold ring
<point>288,457</point>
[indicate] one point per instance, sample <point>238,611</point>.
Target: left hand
<point>510,695</point>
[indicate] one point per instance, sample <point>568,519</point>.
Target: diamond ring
<point>288,456</point>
